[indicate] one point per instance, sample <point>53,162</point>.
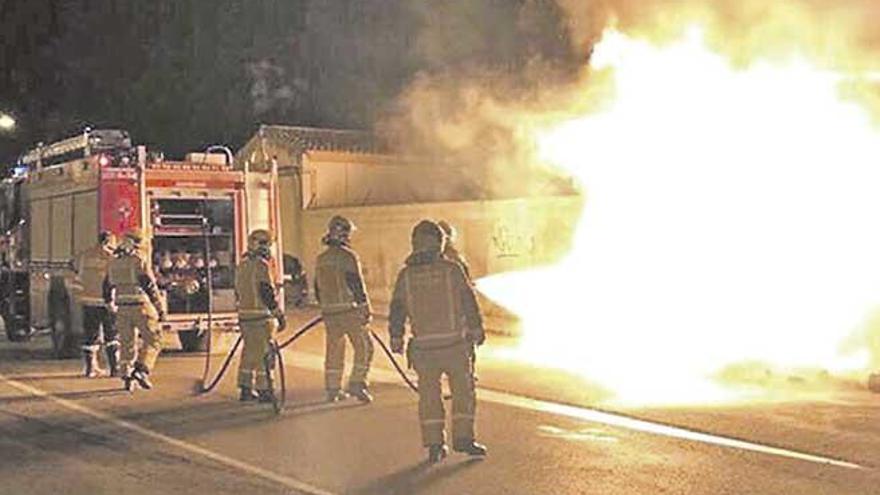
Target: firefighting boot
<point>470,447</point>
<point>247,395</point>
<point>91,369</point>
<point>128,383</point>
<point>265,396</point>
<point>336,396</point>
<point>142,376</point>
<point>112,352</point>
<point>359,391</point>
<point>437,453</point>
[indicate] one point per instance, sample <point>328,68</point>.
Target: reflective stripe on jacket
<point>439,302</point>
<point>339,281</point>
<point>91,275</point>
<point>127,275</point>
<point>252,273</point>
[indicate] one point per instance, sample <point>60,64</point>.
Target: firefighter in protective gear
<point>97,315</point>
<point>259,316</point>
<point>449,250</point>
<point>345,306</point>
<point>451,253</point>
<point>132,289</point>
<point>434,294</point>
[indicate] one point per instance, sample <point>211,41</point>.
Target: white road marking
<point>315,362</point>
<point>585,435</point>
<point>180,444</point>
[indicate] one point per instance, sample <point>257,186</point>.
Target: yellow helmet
<point>448,230</point>
<point>106,238</point>
<point>260,240</point>
<point>427,236</point>
<point>132,239</point>
<point>339,229</point>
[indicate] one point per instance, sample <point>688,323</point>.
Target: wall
<point>495,236</point>
<point>324,173</point>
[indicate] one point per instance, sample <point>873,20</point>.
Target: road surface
<point>546,432</point>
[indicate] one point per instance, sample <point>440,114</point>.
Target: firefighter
<point>133,290</point>
<point>91,275</point>
<point>259,316</point>
<point>451,253</point>
<point>345,306</point>
<point>449,249</point>
<point>434,294</point>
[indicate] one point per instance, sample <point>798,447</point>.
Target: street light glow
<point>6,122</point>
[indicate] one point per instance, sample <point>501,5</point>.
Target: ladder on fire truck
<point>82,145</point>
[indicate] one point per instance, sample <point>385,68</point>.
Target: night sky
<point>183,74</point>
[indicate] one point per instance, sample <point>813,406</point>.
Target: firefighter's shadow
<point>197,418</point>
<point>416,478</point>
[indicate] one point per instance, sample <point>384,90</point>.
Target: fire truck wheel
<point>60,324</point>
<point>193,341</point>
<point>16,334</point>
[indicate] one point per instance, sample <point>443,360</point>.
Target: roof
<point>302,139</point>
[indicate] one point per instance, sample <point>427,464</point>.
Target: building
<point>325,172</point>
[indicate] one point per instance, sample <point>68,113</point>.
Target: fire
<point>731,218</point>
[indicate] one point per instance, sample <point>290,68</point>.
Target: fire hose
<point>394,362</point>
<point>412,386</point>
<point>274,347</point>
<point>274,358</point>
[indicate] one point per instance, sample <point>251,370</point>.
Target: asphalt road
<point>60,433</point>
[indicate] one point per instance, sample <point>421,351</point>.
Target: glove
<point>366,316</point>
<point>397,345</point>
<point>282,321</point>
<point>477,338</point>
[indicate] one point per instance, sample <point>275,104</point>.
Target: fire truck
<point>196,214</point>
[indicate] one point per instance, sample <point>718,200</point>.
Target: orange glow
<point>732,216</point>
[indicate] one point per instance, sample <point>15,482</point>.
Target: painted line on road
<point>315,362</point>
<point>643,426</point>
<point>175,442</point>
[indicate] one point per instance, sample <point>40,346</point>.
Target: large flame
<point>732,216</point>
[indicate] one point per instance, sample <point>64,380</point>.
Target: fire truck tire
<point>13,333</point>
<point>193,340</point>
<point>61,326</point>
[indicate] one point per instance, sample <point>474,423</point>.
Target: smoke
<point>488,68</point>
<point>488,115</point>
<point>839,34</point>
<point>492,71</point>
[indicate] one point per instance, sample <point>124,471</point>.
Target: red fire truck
<point>196,214</point>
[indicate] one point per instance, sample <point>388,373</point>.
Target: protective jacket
<point>255,287</point>
<point>91,275</point>
<point>435,295</point>
<point>339,281</point>
<point>132,282</point>
<point>452,254</point>
<point>257,311</point>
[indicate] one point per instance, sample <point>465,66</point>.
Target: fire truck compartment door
<point>121,197</point>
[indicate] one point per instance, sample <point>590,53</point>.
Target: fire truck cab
<point>196,214</point>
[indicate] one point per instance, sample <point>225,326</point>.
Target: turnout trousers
<point>340,325</point>
<point>97,320</point>
<point>456,363</point>
<point>133,321</point>
<point>256,334</point>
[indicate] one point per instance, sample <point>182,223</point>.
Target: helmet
<point>260,242</point>
<point>448,230</point>
<point>132,240</point>
<point>339,229</point>
<point>427,236</point>
<point>106,238</point>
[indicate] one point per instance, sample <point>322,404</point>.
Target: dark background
<point>183,74</point>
